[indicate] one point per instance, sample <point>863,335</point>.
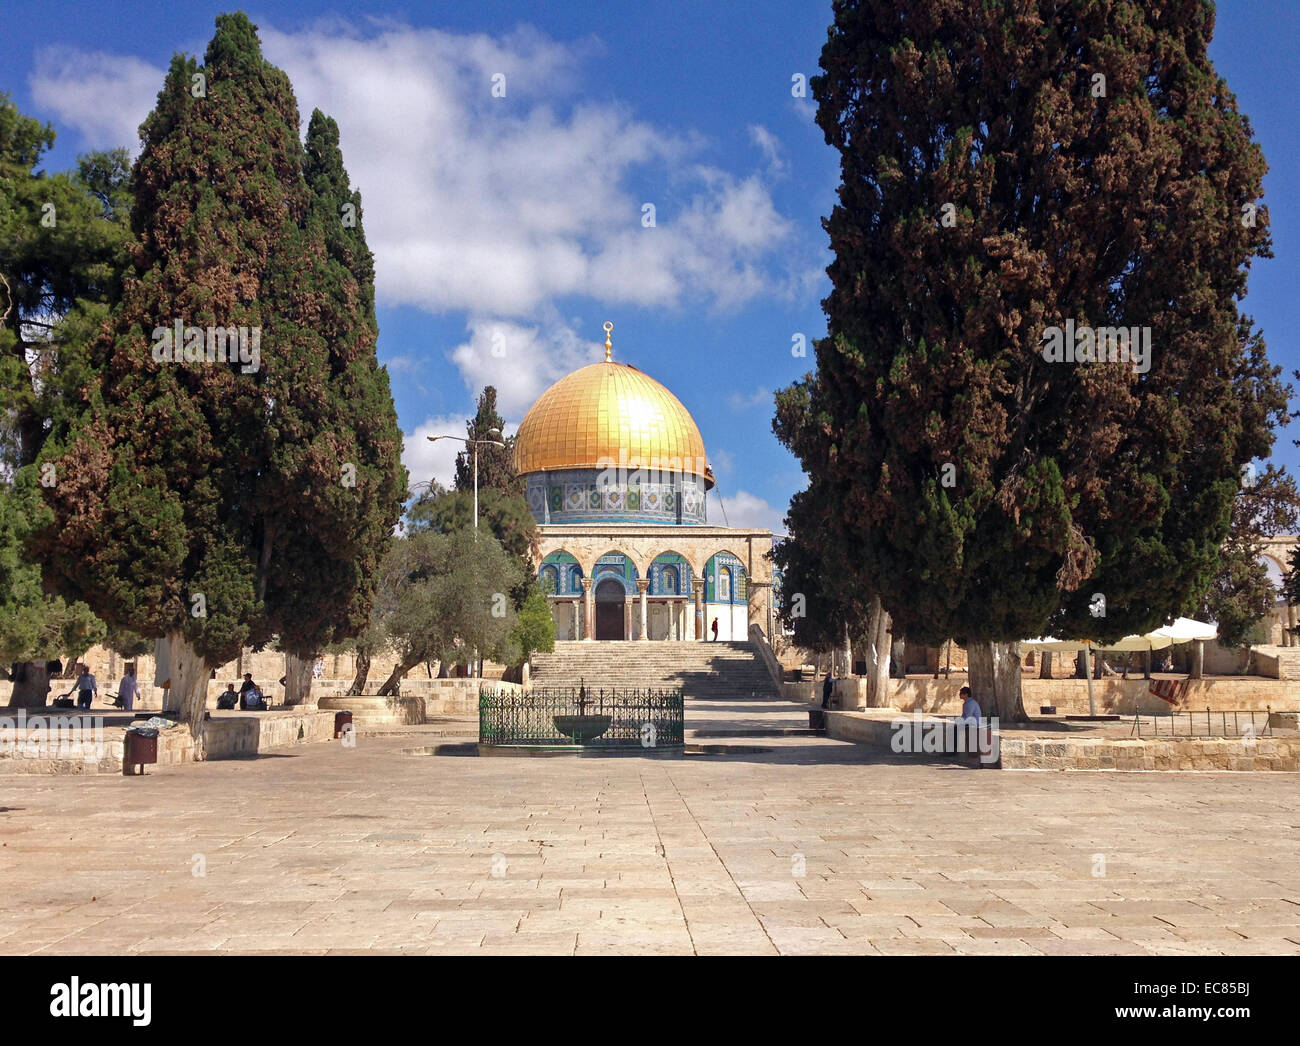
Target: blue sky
<point>516,222</point>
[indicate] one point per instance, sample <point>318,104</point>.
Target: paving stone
<point>815,847</point>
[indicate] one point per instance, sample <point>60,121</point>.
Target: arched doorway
<point>609,609</point>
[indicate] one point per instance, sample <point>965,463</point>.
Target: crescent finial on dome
<point>609,345</point>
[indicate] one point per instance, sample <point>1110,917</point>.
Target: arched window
<point>669,581</point>
<point>724,585</point>
<point>550,580</point>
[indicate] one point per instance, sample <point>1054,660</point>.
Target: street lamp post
<point>495,441</point>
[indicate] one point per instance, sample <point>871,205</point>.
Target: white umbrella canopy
<point>1183,630</point>
<point>1186,630</point>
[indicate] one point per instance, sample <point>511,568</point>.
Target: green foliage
<point>270,489</point>
<point>535,626</point>
<point>127,643</point>
<point>419,513</point>
<point>447,595</point>
<point>505,516</point>
<point>63,239</point>
<point>34,625</point>
<point>819,597</point>
<point>984,491</point>
<point>1241,594</point>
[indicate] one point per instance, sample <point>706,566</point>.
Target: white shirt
<point>86,681</point>
<point>129,688</point>
<point>970,709</point>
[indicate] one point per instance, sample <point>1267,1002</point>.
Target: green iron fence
<point>581,716</point>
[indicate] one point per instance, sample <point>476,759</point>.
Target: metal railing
<point>582,716</point>
<point>1207,724</point>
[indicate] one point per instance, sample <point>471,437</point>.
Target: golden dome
<point>609,414</point>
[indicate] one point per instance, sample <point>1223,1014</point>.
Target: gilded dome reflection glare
<point>609,413</point>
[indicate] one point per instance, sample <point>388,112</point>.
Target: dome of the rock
<point>610,444</point>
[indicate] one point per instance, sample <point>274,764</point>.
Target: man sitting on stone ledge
<point>250,697</point>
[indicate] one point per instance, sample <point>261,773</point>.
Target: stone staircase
<point>704,671</point>
<point>1280,662</point>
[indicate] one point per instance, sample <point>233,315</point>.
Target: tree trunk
<point>845,654</point>
<point>1198,660</point>
<point>1080,666</point>
<point>358,686</point>
<point>1045,671</point>
<point>1146,664</point>
<point>33,690</point>
<point>995,680</point>
<point>189,690</point>
<point>393,685</point>
<point>879,641</point>
<point>442,670</point>
<point>298,678</point>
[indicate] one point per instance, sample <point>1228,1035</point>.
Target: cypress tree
<point>1004,173</point>
<point>219,502</point>
<point>496,465</point>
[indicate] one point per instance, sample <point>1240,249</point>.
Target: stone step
<point>703,671</point>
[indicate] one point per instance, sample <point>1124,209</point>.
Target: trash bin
<point>140,747</point>
<point>342,720</point>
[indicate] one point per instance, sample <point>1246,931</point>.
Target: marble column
<point>642,586</point>
<point>697,587</point>
<point>588,610</point>
<point>577,627</point>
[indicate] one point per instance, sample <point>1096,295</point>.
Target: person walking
<point>85,686</point>
<point>715,629</point>
<point>828,688</point>
<point>128,690</point>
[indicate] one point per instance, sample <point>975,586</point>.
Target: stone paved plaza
<point>817,846</point>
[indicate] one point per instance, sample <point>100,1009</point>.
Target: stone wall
<point>228,735</point>
<point>1114,696</point>
<point>876,727</point>
<point>267,667</point>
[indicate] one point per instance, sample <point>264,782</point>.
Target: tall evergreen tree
<point>63,240</point>
<point>496,465</point>
<point>1006,172</point>
<point>328,567</point>
<point>220,502</point>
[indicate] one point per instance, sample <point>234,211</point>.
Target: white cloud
<point>770,146</point>
<point>521,361</point>
<point>494,206</point>
<point>748,510</point>
<point>105,97</point>
<point>742,401</point>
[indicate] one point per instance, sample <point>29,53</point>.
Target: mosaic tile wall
<point>576,496</point>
